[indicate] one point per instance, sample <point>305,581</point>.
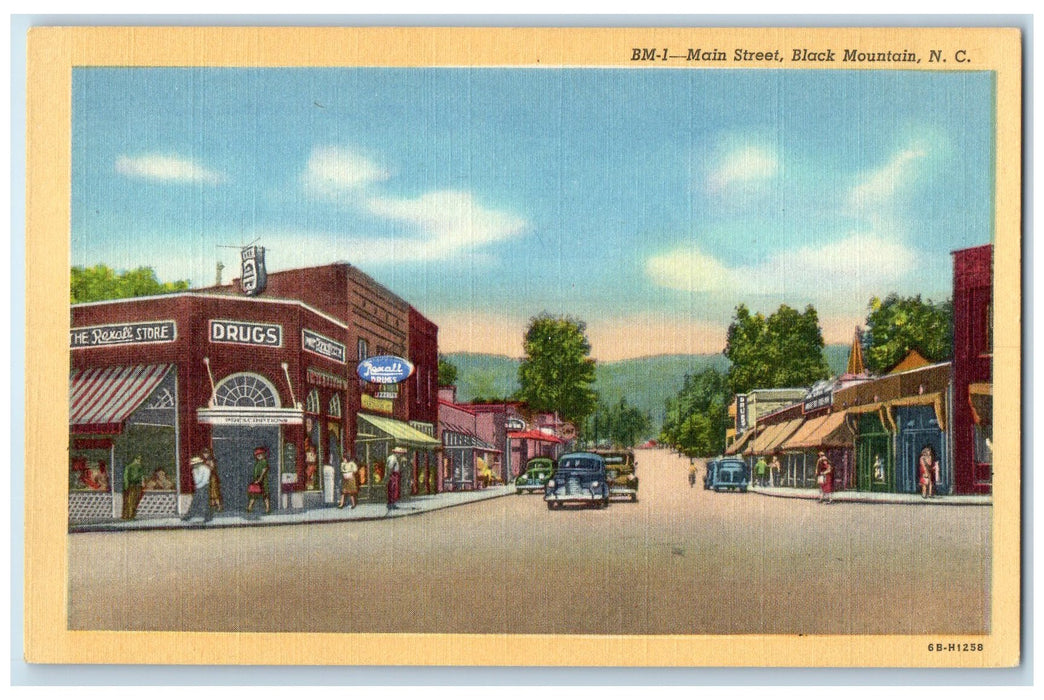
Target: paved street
<point>681,561</point>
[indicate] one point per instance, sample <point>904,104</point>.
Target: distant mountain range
<point>646,382</point>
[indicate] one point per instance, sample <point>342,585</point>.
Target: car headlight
<point>551,483</point>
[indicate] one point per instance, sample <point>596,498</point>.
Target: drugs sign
<point>385,369</point>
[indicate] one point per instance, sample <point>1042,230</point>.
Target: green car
<point>538,471</point>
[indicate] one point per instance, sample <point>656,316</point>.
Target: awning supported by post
<point>401,433</point>
<point>101,399</point>
<point>980,396</point>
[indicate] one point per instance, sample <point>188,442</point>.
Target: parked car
<point>579,478</point>
<point>727,474</point>
<point>532,480</point>
<point>620,472</point>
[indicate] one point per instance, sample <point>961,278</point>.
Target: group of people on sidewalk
<point>350,480</point>
<point>768,473</point>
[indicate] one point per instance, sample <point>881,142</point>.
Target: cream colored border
<point>54,51</point>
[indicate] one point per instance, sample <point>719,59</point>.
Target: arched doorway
<point>235,442</point>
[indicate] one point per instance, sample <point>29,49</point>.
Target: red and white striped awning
<point>102,398</point>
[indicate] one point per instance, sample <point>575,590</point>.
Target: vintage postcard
<point>523,346</point>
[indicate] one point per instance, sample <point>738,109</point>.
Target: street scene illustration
<point>507,350</point>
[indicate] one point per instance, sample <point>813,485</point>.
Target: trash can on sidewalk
<point>328,485</point>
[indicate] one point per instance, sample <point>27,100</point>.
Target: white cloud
<point>333,171</point>
<point>878,188</point>
<point>445,222</point>
<point>166,168</point>
<point>743,165</point>
<point>838,275</point>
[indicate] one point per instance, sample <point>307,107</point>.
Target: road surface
<point>680,561</point>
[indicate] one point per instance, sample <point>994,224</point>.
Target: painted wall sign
<point>123,334</point>
<point>515,424</point>
<point>819,396</point>
<point>323,346</point>
<point>254,277</point>
<point>239,415</point>
<point>385,369</point>
<point>246,333</point>
<point>371,403</point>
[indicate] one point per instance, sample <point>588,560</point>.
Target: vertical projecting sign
<point>254,277</point>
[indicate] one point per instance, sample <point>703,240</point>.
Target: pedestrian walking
<point>928,468</point>
<point>258,488</point>
<point>394,485</point>
<point>692,473</point>
<point>774,470</point>
<point>201,474</point>
<point>761,470</point>
<point>349,482</point>
<point>133,485</point>
<point>214,488</point>
<point>825,478</point>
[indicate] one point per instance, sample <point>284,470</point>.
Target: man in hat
<point>394,477</point>
<point>201,496</point>
<point>259,486</point>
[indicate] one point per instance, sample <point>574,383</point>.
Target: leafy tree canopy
<point>447,372</point>
<point>896,325</point>
<point>785,349</point>
<point>556,373</point>
<point>101,282</point>
<point>621,424</point>
<point>697,418</point>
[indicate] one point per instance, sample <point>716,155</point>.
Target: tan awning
<point>980,396</point>
<point>735,447</point>
<point>401,433</point>
<point>786,430</point>
<point>825,431</point>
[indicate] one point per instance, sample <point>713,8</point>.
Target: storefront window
<point>311,452</point>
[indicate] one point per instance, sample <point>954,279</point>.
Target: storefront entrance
<point>234,451</point>
<point>919,428</point>
<point>875,464</point>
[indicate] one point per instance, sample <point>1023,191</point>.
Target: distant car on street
<point>727,474</point>
<point>579,478</point>
<point>620,472</point>
<point>532,480</point>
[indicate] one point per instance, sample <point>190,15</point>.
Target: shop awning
<point>534,435</point>
<point>737,446</point>
<point>825,431</point>
<point>980,395</point>
<point>772,436</point>
<point>785,431</point>
<point>401,433</point>
<point>466,438</point>
<point>102,398</point>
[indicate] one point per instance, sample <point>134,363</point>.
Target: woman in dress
<point>825,478</point>
<point>926,472</point>
<point>349,482</point>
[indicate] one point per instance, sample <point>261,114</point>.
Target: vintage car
<point>580,479</point>
<point>620,472</point>
<point>538,471</point>
<point>727,474</point>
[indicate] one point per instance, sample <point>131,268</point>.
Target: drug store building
<point>162,378</point>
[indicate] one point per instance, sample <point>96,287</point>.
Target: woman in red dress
<point>926,470</point>
<point>825,478</point>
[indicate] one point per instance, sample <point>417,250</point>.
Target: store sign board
<point>123,334</point>
<point>321,345</point>
<point>246,333</point>
<point>385,369</point>
<point>371,403</point>
<point>254,277</point>
<point>515,424</point>
<point>819,396</point>
<point>741,413</point>
<point>238,415</point>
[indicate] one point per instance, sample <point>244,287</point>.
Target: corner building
<point>162,378</point>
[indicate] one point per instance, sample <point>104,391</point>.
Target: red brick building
<point>164,377</point>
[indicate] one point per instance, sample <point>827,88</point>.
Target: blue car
<point>579,479</point>
<point>727,474</point>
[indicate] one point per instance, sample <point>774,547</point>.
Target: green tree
<point>786,349</point>
<point>447,372</point>
<point>101,282</point>
<point>556,373</point>
<point>897,325</point>
<point>621,424</point>
<point>697,417</point>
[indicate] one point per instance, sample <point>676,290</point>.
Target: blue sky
<point>648,203</point>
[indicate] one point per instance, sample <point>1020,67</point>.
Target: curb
<point>839,497</point>
<point>302,519</point>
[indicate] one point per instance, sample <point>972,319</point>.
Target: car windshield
<point>579,464</point>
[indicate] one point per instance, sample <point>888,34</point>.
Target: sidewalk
<point>413,505</point>
<point>874,497</point>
